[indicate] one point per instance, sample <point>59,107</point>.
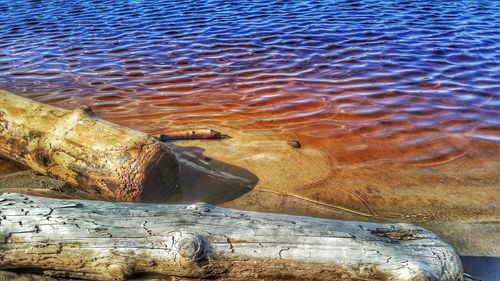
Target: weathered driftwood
<point>113,241</point>
<point>77,147</point>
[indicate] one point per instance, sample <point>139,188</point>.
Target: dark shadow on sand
<point>203,179</point>
<point>483,268</point>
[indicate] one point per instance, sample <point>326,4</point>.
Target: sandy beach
<point>237,173</point>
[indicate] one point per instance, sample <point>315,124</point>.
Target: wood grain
<point>115,241</point>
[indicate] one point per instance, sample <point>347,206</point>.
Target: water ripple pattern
<point>369,81</point>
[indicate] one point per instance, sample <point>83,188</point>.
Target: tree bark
<point>116,241</point>
<point>113,162</point>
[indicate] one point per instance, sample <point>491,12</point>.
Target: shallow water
<point>393,93</point>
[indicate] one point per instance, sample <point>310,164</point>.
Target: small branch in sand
<point>207,134</point>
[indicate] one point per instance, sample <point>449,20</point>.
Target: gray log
<point>115,241</point>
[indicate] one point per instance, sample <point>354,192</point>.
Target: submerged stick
<point>110,161</point>
<point>113,241</point>
<point>208,134</point>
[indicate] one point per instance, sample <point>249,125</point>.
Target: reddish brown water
<point>395,93</point>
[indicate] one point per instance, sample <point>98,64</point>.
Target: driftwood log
<point>115,241</point>
<point>113,162</point>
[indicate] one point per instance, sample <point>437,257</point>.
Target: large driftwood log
<point>114,162</point>
<point>113,241</point>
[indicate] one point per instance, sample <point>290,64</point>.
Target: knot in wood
<point>191,247</point>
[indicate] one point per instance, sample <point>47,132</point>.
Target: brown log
<point>76,146</point>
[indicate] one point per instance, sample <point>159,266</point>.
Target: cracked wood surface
<point>110,161</point>
<point>115,241</point>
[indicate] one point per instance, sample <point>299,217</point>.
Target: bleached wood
<point>113,241</point>
<point>111,161</point>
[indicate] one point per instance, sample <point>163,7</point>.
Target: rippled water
<point>367,82</point>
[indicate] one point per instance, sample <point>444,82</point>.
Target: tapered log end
<point>154,176</point>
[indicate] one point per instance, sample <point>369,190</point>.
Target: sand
<point>266,173</point>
